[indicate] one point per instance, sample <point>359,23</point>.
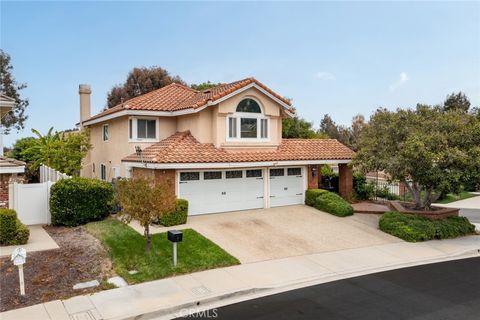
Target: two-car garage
<point>211,191</point>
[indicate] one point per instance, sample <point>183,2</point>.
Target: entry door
<point>286,186</point>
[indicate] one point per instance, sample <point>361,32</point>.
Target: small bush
<point>176,217</point>
<point>77,201</point>
<point>334,204</point>
<point>414,228</point>
<point>311,195</point>
<point>23,233</point>
<point>12,231</point>
<point>363,190</point>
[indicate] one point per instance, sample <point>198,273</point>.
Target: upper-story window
<point>143,129</point>
<point>248,122</point>
<point>105,132</point>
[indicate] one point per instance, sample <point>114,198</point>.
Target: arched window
<point>248,122</point>
<point>249,105</point>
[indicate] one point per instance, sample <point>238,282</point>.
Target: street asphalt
<point>447,290</point>
<point>472,214</point>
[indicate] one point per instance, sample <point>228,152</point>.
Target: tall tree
<point>429,150</point>
<point>140,81</point>
<point>10,87</point>
<point>298,128</point>
<point>456,101</point>
<point>329,127</point>
<point>62,151</point>
<point>204,85</point>
<point>358,123</point>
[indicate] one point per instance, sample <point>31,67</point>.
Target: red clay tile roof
<point>175,97</point>
<point>182,147</point>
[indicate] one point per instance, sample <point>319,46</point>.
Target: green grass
<point>127,251</point>
<point>456,197</point>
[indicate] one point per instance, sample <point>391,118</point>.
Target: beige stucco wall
<point>269,107</point>
<point>117,147</point>
<point>207,126</point>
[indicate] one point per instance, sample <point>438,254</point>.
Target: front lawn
<point>127,251</point>
<point>456,197</point>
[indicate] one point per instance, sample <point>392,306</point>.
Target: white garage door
<point>286,186</point>
<point>221,191</point>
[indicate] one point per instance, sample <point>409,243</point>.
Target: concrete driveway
<point>263,234</point>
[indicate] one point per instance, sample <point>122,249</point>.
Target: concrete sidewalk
<point>172,297</point>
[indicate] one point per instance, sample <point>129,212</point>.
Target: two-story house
<point>221,148</point>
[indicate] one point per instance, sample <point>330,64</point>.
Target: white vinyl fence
<point>50,174</point>
<point>31,202</point>
<point>393,187</point>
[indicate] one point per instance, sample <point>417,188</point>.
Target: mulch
<point>51,274</point>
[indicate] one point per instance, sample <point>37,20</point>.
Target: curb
<point>253,293</point>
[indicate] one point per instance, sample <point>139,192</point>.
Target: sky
<point>336,58</point>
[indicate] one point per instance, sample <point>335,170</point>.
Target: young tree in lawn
<point>143,200</point>
<point>428,149</point>
<point>10,88</point>
<point>140,81</point>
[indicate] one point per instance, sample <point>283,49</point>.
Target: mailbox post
<point>19,256</point>
<point>175,236</point>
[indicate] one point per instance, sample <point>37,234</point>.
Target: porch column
<point>313,176</point>
<point>345,180</point>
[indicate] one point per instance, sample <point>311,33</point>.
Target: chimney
<point>84,91</point>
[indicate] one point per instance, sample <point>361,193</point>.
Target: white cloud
<point>400,82</point>
<point>327,76</point>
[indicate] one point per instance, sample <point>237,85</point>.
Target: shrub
<point>311,195</point>
<point>334,204</point>
<point>363,190</point>
<point>23,233</point>
<point>79,200</point>
<point>12,231</point>
<point>415,228</point>
<point>177,216</point>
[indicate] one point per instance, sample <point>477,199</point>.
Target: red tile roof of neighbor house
<point>182,147</point>
<point>175,97</point>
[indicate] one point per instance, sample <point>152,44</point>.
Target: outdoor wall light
<point>314,171</point>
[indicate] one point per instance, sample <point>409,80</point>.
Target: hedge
<point>176,217</point>
<point>414,228</point>
<point>12,231</point>
<point>311,195</point>
<point>77,201</point>
<point>332,203</point>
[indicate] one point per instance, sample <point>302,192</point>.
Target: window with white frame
<point>105,132</point>
<point>103,172</point>
<point>143,129</point>
<point>248,122</point>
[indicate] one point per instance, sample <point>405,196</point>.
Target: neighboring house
<point>6,105</point>
<point>221,148</point>
<point>9,172</point>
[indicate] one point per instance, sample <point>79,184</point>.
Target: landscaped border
<point>437,214</point>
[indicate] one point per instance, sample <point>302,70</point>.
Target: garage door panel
<point>286,189</point>
<point>221,195</point>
